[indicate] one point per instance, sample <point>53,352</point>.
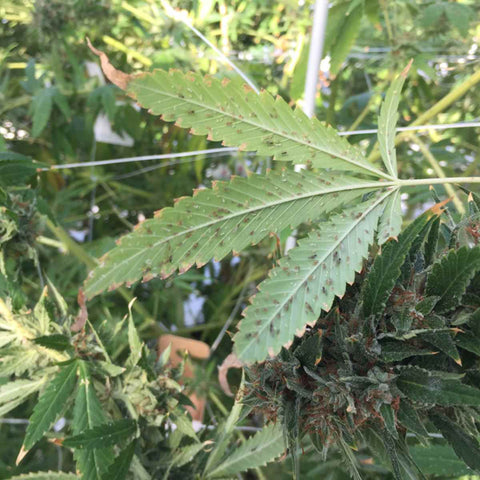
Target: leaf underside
<point>307,281</point>
<point>231,216</point>
<point>228,111</point>
<point>387,122</point>
<point>391,222</point>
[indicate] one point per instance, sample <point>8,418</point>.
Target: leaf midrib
<point>371,170</point>
<point>371,185</point>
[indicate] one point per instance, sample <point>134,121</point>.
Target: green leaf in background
<point>432,14</point>
<point>104,435</point>
<point>62,103</point>
<point>386,268</point>
<point>41,109</point>
<point>387,123</point>
<point>306,281</point>
<point>214,222</point>
<point>451,275</point>
<point>50,404</point>
<point>16,392</point>
<point>438,460</point>
<point>459,15</point>
<point>87,414</point>
<point>427,387</point>
<point>263,447</point>
<point>228,111</point>
<point>16,169</point>
<point>118,470</point>
<point>343,27</point>
<point>466,447</point>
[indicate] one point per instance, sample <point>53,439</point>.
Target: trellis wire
<point>224,150</point>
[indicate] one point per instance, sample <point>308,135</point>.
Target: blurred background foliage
<point>56,108</point>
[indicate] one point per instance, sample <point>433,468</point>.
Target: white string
<point>442,126</point>
<point>179,16</point>
<point>143,158</point>
<point>223,150</point>
<point>164,164</point>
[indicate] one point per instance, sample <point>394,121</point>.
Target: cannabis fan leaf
<point>236,214</point>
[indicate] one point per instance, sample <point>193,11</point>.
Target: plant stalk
<point>433,181</point>
<point>439,171</point>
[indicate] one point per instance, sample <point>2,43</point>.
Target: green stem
<point>434,181</point>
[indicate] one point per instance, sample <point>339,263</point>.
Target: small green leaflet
<point>187,453</point>
<point>16,169</point>
<point>408,417</point>
<point>119,468</point>
<point>214,222</point>
<point>393,351</point>
<point>88,413</point>
<point>388,415</point>
<point>346,33</point>
<point>257,451</point>
<point>103,436</point>
<point>134,341</point>
<point>228,111</point>
<point>386,267</point>
<point>307,281</point>
<point>451,275</point>
<point>41,108</point>
<point>55,342</point>
<point>426,387</point>
<point>441,340</point>
<point>50,404</point>
<point>466,446</point>
<point>468,341</point>
<point>387,122</point>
